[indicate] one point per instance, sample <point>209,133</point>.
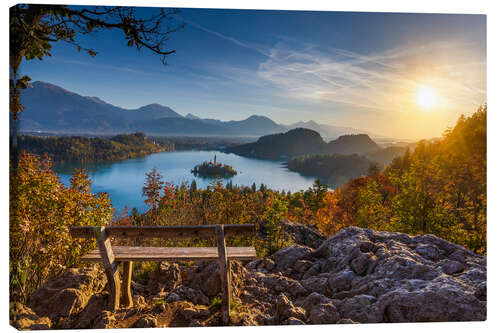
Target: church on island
<point>213,169</point>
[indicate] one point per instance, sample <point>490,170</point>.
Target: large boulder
<point>166,278</point>
<point>303,234</point>
<point>399,278</point>
<point>365,276</point>
<point>285,309</point>
<point>68,294</point>
<point>23,318</point>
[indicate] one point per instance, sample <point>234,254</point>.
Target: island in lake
<point>213,169</point>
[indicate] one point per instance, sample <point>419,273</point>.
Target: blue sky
<point>360,70</point>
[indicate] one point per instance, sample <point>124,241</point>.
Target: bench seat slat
<point>134,253</point>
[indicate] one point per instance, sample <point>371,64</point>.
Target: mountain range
<point>50,108</point>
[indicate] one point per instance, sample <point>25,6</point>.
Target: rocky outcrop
<point>24,318</point>
<point>365,276</point>
<point>67,294</point>
<point>303,234</point>
<point>356,276</point>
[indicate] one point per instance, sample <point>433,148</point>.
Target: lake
<point>123,180</point>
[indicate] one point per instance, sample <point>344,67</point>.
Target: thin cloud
<point>384,81</point>
<point>116,68</point>
<point>228,38</point>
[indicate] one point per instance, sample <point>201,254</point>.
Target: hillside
<point>84,149</point>
<point>334,169</point>
<point>352,144</point>
<point>295,142</point>
<point>385,156</point>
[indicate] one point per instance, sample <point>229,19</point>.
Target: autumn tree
<point>40,246</point>
<point>152,188</point>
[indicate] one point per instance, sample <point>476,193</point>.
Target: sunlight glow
<point>425,97</point>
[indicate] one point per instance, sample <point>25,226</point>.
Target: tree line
<point>84,149</point>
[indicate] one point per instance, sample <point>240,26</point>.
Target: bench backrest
<point>191,231</point>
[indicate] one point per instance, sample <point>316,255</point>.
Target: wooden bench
<point>112,256</point>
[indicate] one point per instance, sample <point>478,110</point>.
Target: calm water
<point>123,180</point>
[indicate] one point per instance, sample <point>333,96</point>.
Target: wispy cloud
<point>233,40</point>
<point>103,66</point>
<point>384,80</point>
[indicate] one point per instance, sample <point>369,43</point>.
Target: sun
<point>425,97</point>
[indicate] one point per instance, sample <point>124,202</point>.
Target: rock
<point>185,293</point>
<point>293,321</point>
<point>359,308</point>
<point>451,267</point>
<point>287,257</point>
<point>68,294</point>
<point>480,292</point>
<point>314,270</point>
<point>429,251</point>
<point>173,297</point>
<point>195,323</point>
<point>296,289</point>
<point>105,320</point>
<point>302,266</point>
<point>444,303</point>
<point>366,246</point>
<point>313,300</point>
<point>341,281</point>
<point>93,309</point>
<point>211,286</point>
<point>324,313</point>
<point>159,308</point>
<point>316,284</point>
<point>267,264</point>
<point>360,264</point>
<point>191,312</point>
<point>23,318</point>
<point>399,278</point>
<point>275,282</point>
<point>145,322</point>
<point>303,234</point>
<point>346,321</point>
<point>285,309</point>
<point>166,278</point>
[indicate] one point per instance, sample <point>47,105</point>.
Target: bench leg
<point>114,290</point>
<point>225,275</point>
<point>110,266</point>
<point>126,296</point>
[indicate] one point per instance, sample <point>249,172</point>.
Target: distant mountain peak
<point>191,116</point>
<point>257,117</point>
<point>96,99</point>
<point>51,87</point>
<point>153,105</point>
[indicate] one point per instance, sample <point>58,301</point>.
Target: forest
<point>439,188</point>
<point>334,169</point>
<point>85,149</point>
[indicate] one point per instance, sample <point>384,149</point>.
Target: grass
<point>216,302</point>
<point>144,269</point>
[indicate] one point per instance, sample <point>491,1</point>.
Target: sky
<point>371,71</point>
